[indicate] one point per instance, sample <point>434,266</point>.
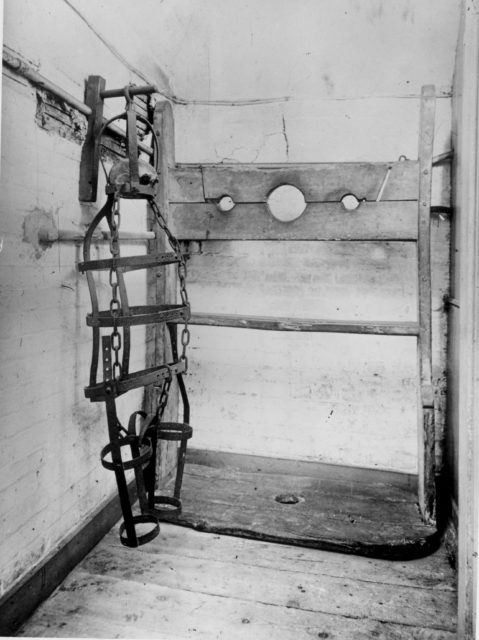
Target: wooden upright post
<point>91,148</point>
<point>426,432</point>
<point>164,289</point>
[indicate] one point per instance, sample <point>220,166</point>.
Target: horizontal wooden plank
<point>303,324</point>
<point>99,605</point>
<point>329,595</point>
<point>320,182</point>
<point>363,499</point>
<point>320,221</point>
<point>376,520</point>
<point>430,572</point>
<point>320,470</point>
<point>185,184</point>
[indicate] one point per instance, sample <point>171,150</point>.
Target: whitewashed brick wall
<point>51,479</point>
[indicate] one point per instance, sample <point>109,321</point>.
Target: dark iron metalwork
<point>135,448</point>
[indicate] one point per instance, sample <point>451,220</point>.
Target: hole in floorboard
<point>288,498</point>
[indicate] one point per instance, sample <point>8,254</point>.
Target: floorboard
<point>188,584</point>
<point>373,513</point>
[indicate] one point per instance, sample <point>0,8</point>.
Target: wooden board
<point>303,324</point>
<point>90,157</point>
<point>426,435</point>
<point>186,584</point>
<point>319,182</point>
<point>320,221</point>
<point>369,517</point>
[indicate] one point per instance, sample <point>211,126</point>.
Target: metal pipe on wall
<point>46,236</point>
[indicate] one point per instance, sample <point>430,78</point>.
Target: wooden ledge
<point>303,324</point>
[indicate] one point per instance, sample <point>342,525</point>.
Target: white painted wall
<point>51,480</point>
<point>344,75</point>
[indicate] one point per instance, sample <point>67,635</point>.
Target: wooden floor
<point>188,584</point>
<point>363,511</point>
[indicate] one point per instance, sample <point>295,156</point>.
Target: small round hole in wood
<point>289,498</point>
<point>350,202</point>
<point>286,203</point>
<point>226,203</point>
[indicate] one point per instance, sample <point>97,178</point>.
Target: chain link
<point>164,394</point>
<point>182,272</point>
<point>115,304</point>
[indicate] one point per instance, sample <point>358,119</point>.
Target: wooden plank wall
<point>337,398</point>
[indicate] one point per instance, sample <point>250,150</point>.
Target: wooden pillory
<point>394,200</point>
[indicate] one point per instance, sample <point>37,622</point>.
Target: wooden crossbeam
<point>303,324</point>
<point>194,192</point>
<point>320,221</point>
<point>319,182</point>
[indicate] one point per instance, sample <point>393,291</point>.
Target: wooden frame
<point>395,200</point>
<point>464,328</point>
<point>95,96</point>
<point>164,289</point>
<point>195,191</point>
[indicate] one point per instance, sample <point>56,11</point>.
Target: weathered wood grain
<point>166,286</point>
<point>91,149</point>
<point>333,472</point>
<point>320,182</point>
<point>463,356</point>
<point>147,610</point>
<point>327,595</point>
<point>320,221</point>
<point>426,436</point>
<point>430,572</point>
<point>375,520</point>
<point>192,585</point>
<point>426,141</point>
<point>304,324</point>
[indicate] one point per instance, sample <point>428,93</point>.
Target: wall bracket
<point>95,96</point>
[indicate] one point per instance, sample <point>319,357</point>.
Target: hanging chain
<point>164,394</point>
<point>115,305</point>
<point>185,333</point>
<point>182,272</point>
